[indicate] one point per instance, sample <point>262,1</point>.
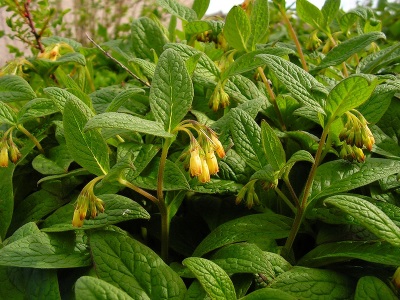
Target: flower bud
<point>359,154</point>
<point>4,155</point>
<point>212,162</point>
<point>15,154</point>
<point>217,145</point>
<point>368,138</point>
<point>204,177</point>
<point>241,195</point>
<point>396,278</point>
<point>76,219</point>
<point>195,163</point>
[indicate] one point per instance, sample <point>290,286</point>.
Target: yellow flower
<point>204,177</point>
<point>212,162</point>
<point>15,155</point>
<point>195,163</point>
<point>76,220</point>
<point>217,145</point>
<point>4,155</point>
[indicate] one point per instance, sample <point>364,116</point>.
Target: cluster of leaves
<point>318,227</point>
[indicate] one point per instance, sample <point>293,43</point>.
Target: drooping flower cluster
<point>355,135</point>
<point>87,205</point>
<point>248,194</point>
<point>203,162</point>
<point>8,150</point>
<point>219,98</point>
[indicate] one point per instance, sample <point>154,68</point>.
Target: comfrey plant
<point>249,157</point>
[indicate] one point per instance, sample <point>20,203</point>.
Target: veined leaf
<point>87,148</point>
<point>6,198</point>
<point>310,14</point>
<point>7,115</point>
<point>14,88</point>
<point>299,82</point>
<point>272,146</point>
<point>171,92</point>
<point>370,287</point>
<point>371,251</point>
<point>213,279</point>
<point>200,7</point>
<point>329,11</point>
<point>179,10</point>
<point>369,216</point>
<point>133,267</point>
<point>122,98</point>
<point>259,22</point>
<point>37,108</point>
<point>94,288</point>
<point>118,120</point>
<point>237,28</point>
<point>348,94</point>
<point>375,61</point>
<point>59,96</point>
<point>268,293</point>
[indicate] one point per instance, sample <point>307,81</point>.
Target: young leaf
<point>213,279</point>
<point>306,283</point>
<point>87,148</point>
<point>46,251</point>
<point>246,135</point>
<point>7,115</point>
<point>171,92</point>
<point>237,28</point>
<point>133,267</point>
<point>200,7</point>
<point>6,198</point>
<point>374,252</point>
<point>179,10</point>
<point>117,209</point>
<point>147,36</point>
<point>346,49</point>
<point>369,216</point>
<point>310,14</point>
<point>299,82</point>
<point>348,94</point>
<point>14,88</point>
<point>94,288</point>
<point>340,176</point>
<point>259,22</point>
<point>371,287</point>
<point>37,108</point>
<point>272,146</point>
<point>269,226</point>
<point>116,120</point>
<point>329,11</point>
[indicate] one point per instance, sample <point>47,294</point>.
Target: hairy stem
<point>31,137</point>
<point>285,199</point>
<point>138,190</point>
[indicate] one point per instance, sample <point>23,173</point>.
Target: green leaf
<point>371,287</point>
<point>237,28</point>
<point>217,186</point>
<point>267,225</point>
<point>6,198</point>
<point>347,48</point>
<point>116,120</point>
<point>212,278</point>
<point>268,293</point>
<point>171,92</point>
<point>59,96</point>
<point>14,88</point>
<point>23,231</point>
<point>375,252</point>
<point>300,83</point>
<point>306,283</point>
<point>117,209</point>
<point>8,288</point>
<point>57,161</point>
<point>200,7</point>
<point>45,251</point>
<point>93,288</point>
<point>272,146</point>
<point>122,98</point>
<point>179,10</point>
<point>372,63</point>
<point>196,292</point>
<point>133,267</point>
<point>246,135</point>
<point>243,258</point>
<point>87,148</point>
<point>259,22</point>
<point>310,14</point>
<point>369,216</point>
<point>7,115</point>
<point>348,94</point>
<point>329,11</point>
<point>147,36</point>
<point>340,176</point>
<point>37,108</point>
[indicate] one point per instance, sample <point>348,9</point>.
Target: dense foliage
<point>255,156</point>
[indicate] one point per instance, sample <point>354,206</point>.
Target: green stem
<point>161,203</point>
<point>285,199</point>
<point>291,190</point>
<point>138,190</point>
<point>31,137</point>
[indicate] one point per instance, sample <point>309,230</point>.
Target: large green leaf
<point>171,91</point>
<point>14,88</point>
<point>348,94</point>
<point>146,37</point>
<point>259,22</point>
<point>300,83</point>
<point>94,288</point>
<point>117,209</point>
<point>200,7</point>
<point>8,288</point>
<point>37,108</point>
<point>212,278</point>
<point>347,48</point>
<point>116,120</point>
<point>45,251</point>
<point>306,283</point>
<point>369,216</point>
<point>7,115</point>
<point>310,14</point>
<point>370,287</point>
<point>341,176</point>
<point>179,10</point>
<point>329,11</point>
<point>6,198</point>
<point>133,267</point>
<point>87,148</point>
<point>375,61</point>
<point>272,146</point>
<point>246,135</point>
<point>59,96</point>
<point>237,28</point>
<point>371,251</point>
<point>268,293</point>
<point>268,225</point>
